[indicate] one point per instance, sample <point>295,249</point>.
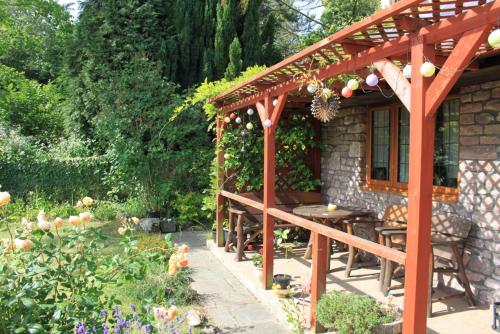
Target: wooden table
<point>321,215</point>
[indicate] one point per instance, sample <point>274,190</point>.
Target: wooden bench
<point>250,220</point>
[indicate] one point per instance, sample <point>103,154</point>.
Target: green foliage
<point>189,208</point>
<point>250,38</point>
<point>235,62</point>
<point>348,313</point>
<point>106,210</point>
<point>32,108</point>
<point>33,37</point>
<point>134,207</point>
<point>61,280</point>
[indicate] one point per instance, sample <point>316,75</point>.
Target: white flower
<point>85,216</point>
<point>58,222</point>
<point>4,198</point>
<point>43,224</point>
<point>75,220</point>
<point>87,201</point>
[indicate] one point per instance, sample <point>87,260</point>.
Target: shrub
<point>348,313</point>
<point>135,207</point>
<point>189,208</point>
<point>106,210</point>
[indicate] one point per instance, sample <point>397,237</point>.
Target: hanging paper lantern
<point>227,119</point>
<point>494,38</point>
<point>275,102</point>
<point>372,80</point>
<point>407,71</point>
<point>268,123</point>
<point>226,156</point>
<point>249,126</point>
<point>427,69</point>
<point>312,88</point>
<point>326,94</point>
<point>250,111</point>
<point>232,116</point>
<point>352,84</point>
<point>238,120</point>
<point>346,92</point>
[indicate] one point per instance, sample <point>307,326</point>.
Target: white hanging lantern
<point>372,80</point>
<point>494,39</point>
<point>353,84</point>
<point>268,123</point>
<point>275,102</point>
<point>227,119</point>
<point>427,69</point>
<point>250,111</point>
<point>249,126</point>
<point>238,120</point>
<point>312,88</point>
<point>407,71</point>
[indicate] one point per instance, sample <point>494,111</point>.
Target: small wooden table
<point>321,215</point>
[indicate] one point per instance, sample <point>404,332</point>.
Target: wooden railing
<point>360,243</point>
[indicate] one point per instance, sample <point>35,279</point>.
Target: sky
<point>312,6</point>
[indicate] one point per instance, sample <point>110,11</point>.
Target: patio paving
<point>452,315</point>
<point>227,302</point>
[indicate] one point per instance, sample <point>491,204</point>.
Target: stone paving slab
<point>228,304</point>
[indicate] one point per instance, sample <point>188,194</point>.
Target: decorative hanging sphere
<point>249,126</point>
<point>232,116</point>
<point>268,123</point>
<point>494,38</point>
<point>227,119</point>
<point>372,80</point>
<point>244,133</point>
<point>346,92</point>
<point>407,71</point>
<point>226,156</point>
<point>353,84</point>
<point>275,102</point>
<point>427,69</point>
<point>312,88</point>
<point>238,120</point>
<point>326,93</point>
<point>250,111</point>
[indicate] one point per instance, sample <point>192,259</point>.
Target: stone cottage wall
<point>343,174</point>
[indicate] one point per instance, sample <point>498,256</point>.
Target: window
<point>388,150</point>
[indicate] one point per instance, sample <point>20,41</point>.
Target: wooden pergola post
<point>267,111</point>
<point>219,215</point>
<point>318,278</point>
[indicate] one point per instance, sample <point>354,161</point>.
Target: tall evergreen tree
<point>227,17</point>
<point>235,62</point>
<point>270,54</point>
<point>250,38</point>
<point>209,24</point>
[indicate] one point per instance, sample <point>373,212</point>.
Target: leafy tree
<point>235,62</point>
<point>33,37</point>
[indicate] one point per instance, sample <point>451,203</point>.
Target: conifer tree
<point>227,16</point>
<point>270,54</point>
<point>250,39</point>
<point>235,62</point>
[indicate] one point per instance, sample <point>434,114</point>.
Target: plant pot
<point>283,280</point>
<point>282,293</point>
<point>394,327</point>
<point>258,273</point>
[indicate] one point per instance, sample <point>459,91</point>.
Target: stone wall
<point>343,174</point>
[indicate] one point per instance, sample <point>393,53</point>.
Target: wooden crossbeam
<point>396,80</point>
<point>261,110</point>
<point>454,66</point>
<point>278,108</point>
<point>412,24</point>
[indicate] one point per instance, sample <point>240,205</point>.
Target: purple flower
<point>148,328</point>
<point>115,313</point>
<point>105,329</point>
<point>80,328</point>
<point>104,313</point>
<point>132,307</point>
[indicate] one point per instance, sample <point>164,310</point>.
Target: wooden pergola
<point>450,34</point>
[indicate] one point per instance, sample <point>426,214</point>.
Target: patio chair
<point>448,238</point>
<point>249,221</point>
<point>394,218</point>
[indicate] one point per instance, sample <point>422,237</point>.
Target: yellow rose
<point>27,245</point>
<point>79,204</point>
<point>121,230</point>
<point>4,198</point>
<point>75,220</point>
<point>58,222</point>
<point>135,220</point>
<point>87,201</point>
<point>85,216</point>
<point>184,248</point>
<point>171,313</point>
<point>172,270</point>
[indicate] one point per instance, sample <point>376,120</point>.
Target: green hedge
<point>58,179</point>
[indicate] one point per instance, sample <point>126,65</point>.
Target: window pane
<point>446,144</point>
<point>380,145</point>
<point>403,144</point>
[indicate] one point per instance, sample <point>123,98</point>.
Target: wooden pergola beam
<point>219,215</point>
<point>396,80</point>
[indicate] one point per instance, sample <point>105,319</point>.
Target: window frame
<point>440,193</point>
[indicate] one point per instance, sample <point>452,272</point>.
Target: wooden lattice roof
<point>403,18</point>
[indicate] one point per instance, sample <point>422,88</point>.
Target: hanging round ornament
<point>346,92</point>
<point>250,111</point>
<point>244,133</point>
<point>312,88</point>
<point>227,119</point>
<point>407,71</point>
<point>352,84</point>
<point>249,126</point>
<point>232,116</point>
<point>325,109</point>
<point>268,123</point>
<point>275,102</point>
<point>238,120</point>
<point>372,80</point>
<point>494,38</point>
<point>427,69</point>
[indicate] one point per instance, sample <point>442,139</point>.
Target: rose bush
<point>53,274</point>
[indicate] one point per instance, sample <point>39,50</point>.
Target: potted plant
<point>282,281</point>
<point>225,226</point>
<point>347,313</point>
<point>257,264</point>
